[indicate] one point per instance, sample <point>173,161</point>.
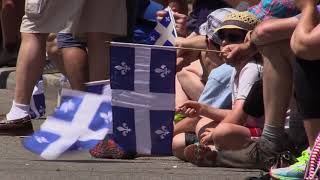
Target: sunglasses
<point>232,37</point>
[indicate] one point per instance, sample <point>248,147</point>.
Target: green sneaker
<point>295,171</point>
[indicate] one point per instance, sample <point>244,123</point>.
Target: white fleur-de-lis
<point>162,132</point>
<point>106,116</point>
<point>163,71</point>
<point>167,19</point>
<point>123,68</point>
<point>67,106</point>
<point>41,139</point>
<point>124,129</point>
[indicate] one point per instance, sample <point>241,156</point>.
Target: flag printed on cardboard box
<point>37,102</point>
<point>79,123</point>
<point>143,97</point>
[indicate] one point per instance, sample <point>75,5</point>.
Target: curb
<point>8,78</point>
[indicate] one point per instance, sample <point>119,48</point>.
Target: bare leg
<point>312,127</point>
<point>178,145</point>
<point>29,66</point>
<point>98,53</point>
<point>186,125</point>
<point>181,96</point>
<point>54,53</point>
<point>204,123</point>
<point>190,80</point>
<point>11,14</point>
<point>231,136</point>
<point>277,82</point>
<point>76,67</point>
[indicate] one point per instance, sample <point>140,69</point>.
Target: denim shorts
<point>66,40</point>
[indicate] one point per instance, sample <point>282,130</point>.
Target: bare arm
<point>305,40</point>
<point>196,109</point>
<point>188,56</point>
<point>273,30</point>
<point>237,115</point>
<point>235,3</point>
<point>216,114</point>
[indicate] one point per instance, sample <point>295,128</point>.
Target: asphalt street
<point>18,163</point>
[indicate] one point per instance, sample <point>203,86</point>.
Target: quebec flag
<point>79,123</point>
<point>37,102</point>
<point>164,33</point>
<point>143,97</point>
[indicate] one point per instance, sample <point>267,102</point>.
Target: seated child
<point>227,129</point>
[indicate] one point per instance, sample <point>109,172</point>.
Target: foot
<point>108,149</point>
<point>17,127</point>
<point>259,154</point>
<point>295,171</point>
<point>200,155</point>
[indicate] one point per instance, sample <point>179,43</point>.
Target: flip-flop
<point>200,155</point>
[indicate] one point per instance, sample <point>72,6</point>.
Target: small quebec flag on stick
<point>164,33</point>
<point>78,123</point>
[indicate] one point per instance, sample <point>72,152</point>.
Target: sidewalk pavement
<point>16,163</point>
<point>8,76</point>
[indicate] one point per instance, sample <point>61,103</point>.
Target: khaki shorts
<point>76,16</point>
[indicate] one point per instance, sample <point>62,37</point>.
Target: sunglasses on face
<point>232,37</point>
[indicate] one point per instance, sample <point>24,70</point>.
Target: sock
<point>273,133</point>
<point>18,111</point>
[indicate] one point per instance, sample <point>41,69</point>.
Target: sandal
<point>200,155</point>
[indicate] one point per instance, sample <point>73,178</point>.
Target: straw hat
<point>239,20</point>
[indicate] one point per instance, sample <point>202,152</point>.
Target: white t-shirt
<point>241,86</point>
<point>243,81</point>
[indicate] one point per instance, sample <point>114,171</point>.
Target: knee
<point>183,74</point>
<point>220,135</point>
<point>178,145</point>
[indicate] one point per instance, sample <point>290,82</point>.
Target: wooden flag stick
<point>197,49</point>
<point>170,47</point>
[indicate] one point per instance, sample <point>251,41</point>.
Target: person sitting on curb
<point>217,90</point>
<point>224,128</point>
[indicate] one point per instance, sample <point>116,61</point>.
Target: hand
<point>180,20</point>
<point>191,109</point>
<point>302,4</point>
<point>237,52</point>
<point>206,136</point>
<point>181,23</point>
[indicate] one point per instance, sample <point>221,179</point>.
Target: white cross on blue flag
<point>164,33</point>
<point>143,97</point>
<point>80,122</point>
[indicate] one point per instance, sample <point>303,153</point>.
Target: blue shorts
<point>66,40</point>
<point>217,91</point>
